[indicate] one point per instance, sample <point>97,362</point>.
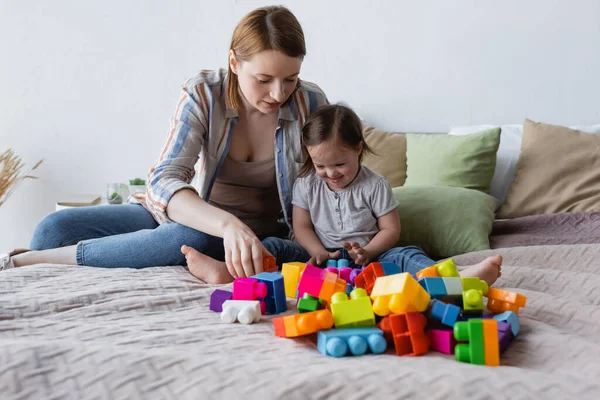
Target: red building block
<point>303,324</point>
<point>366,279</point>
<point>407,332</point>
<point>501,300</point>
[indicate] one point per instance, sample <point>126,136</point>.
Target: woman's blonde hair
<point>266,28</point>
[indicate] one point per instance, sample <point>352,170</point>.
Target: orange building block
<point>428,272</point>
<point>501,300</point>
<point>303,324</point>
<point>366,279</point>
<point>491,343</point>
<point>269,264</point>
<point>407,332</point>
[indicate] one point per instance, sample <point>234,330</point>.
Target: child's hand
<point>320,258</point>
<point>357,253</point>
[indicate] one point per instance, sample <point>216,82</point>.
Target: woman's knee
<point>178,235</point>
<point>55,230</point>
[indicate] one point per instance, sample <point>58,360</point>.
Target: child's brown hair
<point>336,122</point>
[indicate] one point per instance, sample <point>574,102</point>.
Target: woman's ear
<point>233,62</point>
<point>360,147</point>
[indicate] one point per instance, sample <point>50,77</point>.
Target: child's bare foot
<point>489,270</point>
<point>206,268</point>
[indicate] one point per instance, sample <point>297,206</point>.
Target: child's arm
<point>307,238</point>
<point>384,240</point>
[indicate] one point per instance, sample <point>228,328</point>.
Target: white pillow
<point>508,153</point>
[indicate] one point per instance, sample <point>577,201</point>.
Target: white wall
<point>90,86</point>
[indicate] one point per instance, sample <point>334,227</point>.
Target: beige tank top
<point>248,190</point>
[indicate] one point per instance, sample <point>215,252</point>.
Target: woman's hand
<point>357,253</point>
<point>322,256</point>
<point>243,250</point>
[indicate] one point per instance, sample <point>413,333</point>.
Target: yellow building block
<point>397,294</point>
<point>291,276</point>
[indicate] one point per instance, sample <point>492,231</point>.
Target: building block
<point>407,332</point>
<point>269,264</point>
<point>291,276</point>
<point>320,283</point>
<point>491,342</point>
<point>470,331</point>
<point>512,318</point>
<point>356,312</point>
<point>345,273</point>
<point>366,278</point>
<point>472,302</point>
<point>250,289</point>
<point>217,298</point>
<point>505,335</point>
<point>353,341</point>
<point>309,303</point>
<point>442,340</point>
<point>303,324</point>
<point>332,263</point>
<point>446,313</point>
<point>454,286</point>
<point>333,270</point>
<point>244,311</point>
<point>434,286</point>
<point>475,283</point>
<point>275,299</point>
<point>389,268</point>
<point>447,269</point>
<point>398,293</point>
<point>349,289</point>
<point>483,347</point>
<point>353,274</point>
<point>428,272</point>
<point>501,300</point>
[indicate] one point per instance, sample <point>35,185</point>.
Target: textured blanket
<point>91,333</point>
<point>547,229</point>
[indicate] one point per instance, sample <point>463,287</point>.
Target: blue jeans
<point>125,236</point>
<point>411,259</point>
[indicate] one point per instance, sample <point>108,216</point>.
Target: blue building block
<point>390,268</point>
<point>332,263</point>
<point>512,318</point>
<point>351,341</point>
<point>447,313</point>
<point>343,263</point>
<point>434,286</point>
<point>275,300</point>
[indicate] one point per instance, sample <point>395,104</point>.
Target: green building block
<point>470,331</point>
<point>472,302</point>
<point>309,303</point>
<point>447,269</point>
<point>475,283</point>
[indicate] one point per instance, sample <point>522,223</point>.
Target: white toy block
<point>244,311</point>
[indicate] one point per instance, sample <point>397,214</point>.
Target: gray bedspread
<point>550,229</point>
<point>89,333</point>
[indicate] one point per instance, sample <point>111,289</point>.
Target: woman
<point>224,176</point>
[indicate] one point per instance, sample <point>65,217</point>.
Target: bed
<point>91,333</point>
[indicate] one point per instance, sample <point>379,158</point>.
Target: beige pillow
<point>389,159</point>
<point>558,171</point>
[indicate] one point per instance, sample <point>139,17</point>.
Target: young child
<point>342,209</point>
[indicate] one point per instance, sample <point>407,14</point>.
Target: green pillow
<point>443,160</point>
<point>445,221</point>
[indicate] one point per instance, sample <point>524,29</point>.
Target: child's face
<point>335,163</point>
<point>267,79</point>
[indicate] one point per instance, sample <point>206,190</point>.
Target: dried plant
<point>11,167</point>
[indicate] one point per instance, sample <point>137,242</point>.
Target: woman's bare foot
<point>206,268</point>
<point>489,270</point>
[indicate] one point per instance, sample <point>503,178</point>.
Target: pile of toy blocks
<point>380,306</point>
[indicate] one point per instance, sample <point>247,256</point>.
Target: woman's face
<point>266,80</point>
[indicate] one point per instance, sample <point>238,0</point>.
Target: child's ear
<point>360,147</point>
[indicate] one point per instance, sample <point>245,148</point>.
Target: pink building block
<point>311,281</point>
<point>345,273</point>
<point>442,340</point>
<point>250,289</point>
